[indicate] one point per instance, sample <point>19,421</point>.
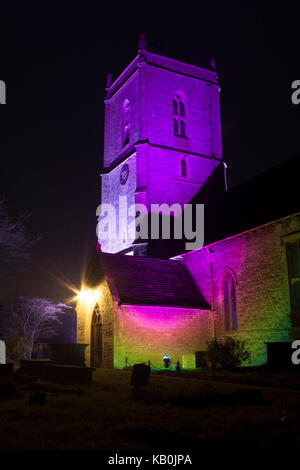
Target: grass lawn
<point>172,412</point>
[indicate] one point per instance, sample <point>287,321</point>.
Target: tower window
<point>182,128</point>
<point>175,126</point>
<point>229,301</point>
<point>293,258</point>
<point>183,168</point>
<point>179,127</point>
<point>125,123</point>
<point>175,107</point>
<point>181,109</point>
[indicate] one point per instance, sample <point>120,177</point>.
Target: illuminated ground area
<point>172,413</point>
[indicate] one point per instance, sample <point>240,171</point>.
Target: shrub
<point>229,353</point>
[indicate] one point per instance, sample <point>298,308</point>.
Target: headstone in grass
<point>37,398</point>
<point>245,397</point>
<point>140,375</point>
<point>7,389</point>
<point>6,369</point>
<point>2,352</point>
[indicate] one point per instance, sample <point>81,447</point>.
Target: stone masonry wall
<point>202,111</point>
<point>85,308</point>
<point>112,190</point>
<point>258,260</point>
<point>148,333</point>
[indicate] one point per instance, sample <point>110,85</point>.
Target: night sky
<point>54,59</point>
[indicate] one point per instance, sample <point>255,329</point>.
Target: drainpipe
<point>225,175</point>
<point>210,119</point>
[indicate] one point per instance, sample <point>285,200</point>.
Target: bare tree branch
<point>32,318</point>
<point>15,242</point>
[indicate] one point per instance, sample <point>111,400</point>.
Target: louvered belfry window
<point>175,126</point>
<point>179,122</point>
<point>181,109</point>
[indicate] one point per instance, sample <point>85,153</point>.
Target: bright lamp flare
<point>88,295</point>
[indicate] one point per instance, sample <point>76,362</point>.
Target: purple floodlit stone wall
<point>113,132</point>
<point>150,91</point>
<point>111,190</point>
<point>148,333</point>
<point>149,84</point>
<point>162,176</point>
<point>142,333</point>
<point>202,112</point>
<point>258,260</point>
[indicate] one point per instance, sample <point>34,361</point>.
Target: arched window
<point>293,259</point>
<point>183,168</point>
<point>96,338</point>
<point>182,128</point>
<point>179,122</point>
<point>175,126</point>
<point>175,107</point>
<point>229,300</point>
<point>181,109</point>
<point>125,123</point>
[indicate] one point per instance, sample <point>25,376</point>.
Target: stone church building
<point>143,299</point>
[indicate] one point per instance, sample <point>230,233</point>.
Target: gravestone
<point>37,398</point>
<point>189,361</point>
<point>279,356</point>
<point>201,359</point>
<point>2,352</point>
<point>140,375</point>
<point>68,353</point>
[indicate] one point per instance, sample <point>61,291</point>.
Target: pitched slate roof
<point>138,280</point>
<point>265,198</point>
<point>268,196</point>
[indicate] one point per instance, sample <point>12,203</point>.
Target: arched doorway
<point>96,338</point>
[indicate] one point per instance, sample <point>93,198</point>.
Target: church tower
<point>162,137</point>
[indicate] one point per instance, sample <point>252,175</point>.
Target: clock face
<point>124,173</point>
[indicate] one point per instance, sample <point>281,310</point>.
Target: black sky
<point>54,59</point>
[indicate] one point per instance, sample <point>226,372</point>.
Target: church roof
<point>268,196</point>
<point>138,280</point>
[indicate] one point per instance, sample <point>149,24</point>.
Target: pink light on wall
<point>160,319</point>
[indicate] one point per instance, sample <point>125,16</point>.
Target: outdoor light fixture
<point>167,361</point>
<point>89,296</point>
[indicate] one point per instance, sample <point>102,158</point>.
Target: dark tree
<point>15,242</point>
<point>32,318</point>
